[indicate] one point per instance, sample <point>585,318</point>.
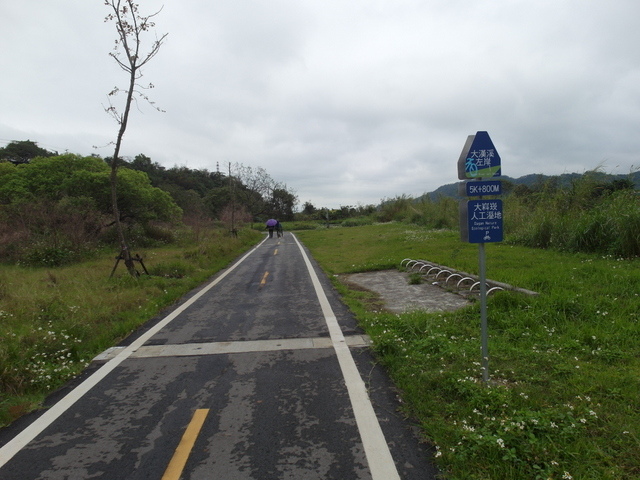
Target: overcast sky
<point>346,101</point>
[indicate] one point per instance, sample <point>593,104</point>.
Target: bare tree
<point>257,187</point>
<point>131,26</point>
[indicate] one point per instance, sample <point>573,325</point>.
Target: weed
<point>175,269</point>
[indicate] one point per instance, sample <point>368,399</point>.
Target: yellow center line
<point>275,252</point>
<point>179,460</point>
<point>263,282</point>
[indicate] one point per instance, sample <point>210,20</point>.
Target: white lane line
<point>16,444</point>
<point>248,346</point>
<point>375,445</point>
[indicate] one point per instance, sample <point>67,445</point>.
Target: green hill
<point>538,181</point>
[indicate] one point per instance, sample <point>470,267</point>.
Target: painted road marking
<point>375,445</point>
<point>181,455</point>
<point>8,451</point>
<point>249,346</point>
<point>263,282</point>
<point>275,252</point>
<point>221,348</point>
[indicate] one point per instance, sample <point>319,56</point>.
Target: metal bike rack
<point>443,271</point>
<point>461,280</point>
<point>453,275</point>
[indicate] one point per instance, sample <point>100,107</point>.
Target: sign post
<point>481,220</point>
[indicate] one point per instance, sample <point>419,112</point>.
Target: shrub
<point>42,255</point>
<point>357,222</point>
<point>586,218</point>
<point>175,269</point>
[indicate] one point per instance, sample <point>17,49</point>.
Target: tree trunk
<point>125,253</point>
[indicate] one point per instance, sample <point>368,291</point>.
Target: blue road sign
<point>481,221</point>
<point>483,187</point>
<point>479,158</point>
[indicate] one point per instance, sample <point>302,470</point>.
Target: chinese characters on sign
<point>484,221</point>
<point>479,158</point>
<point>480,220</point>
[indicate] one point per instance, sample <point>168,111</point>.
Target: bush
<point>176,269</point>
<point>40,255</point>
<point>577,220</point>
<point>439,214</point>
<point>357,222</point>
<point>55,209</point>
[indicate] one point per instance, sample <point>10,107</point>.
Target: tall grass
<point>587,216</point>
<point>442,213</point>
<point>53,321</point>
<point>609,226</point>
<point>565,365</point>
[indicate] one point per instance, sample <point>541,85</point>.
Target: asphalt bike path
<point>260,374</point>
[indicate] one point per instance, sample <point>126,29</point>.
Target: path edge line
<point>375,446</point>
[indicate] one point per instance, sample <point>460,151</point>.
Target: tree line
<point>55,208</point>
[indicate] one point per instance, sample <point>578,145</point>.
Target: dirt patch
<point>398,296</point>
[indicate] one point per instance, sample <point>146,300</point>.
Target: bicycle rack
<point>443,271</point>
<point>432,269</point>
<point>453,275</point>
<point>463,279</point>
<point>460,281</point>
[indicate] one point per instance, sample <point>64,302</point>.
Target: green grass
<point>565,365</point>
<point>53,321</point>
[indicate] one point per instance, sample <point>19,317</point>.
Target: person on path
<point>271,224</point>
<point>279,229</point>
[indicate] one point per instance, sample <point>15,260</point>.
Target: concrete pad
<point>393,287</point>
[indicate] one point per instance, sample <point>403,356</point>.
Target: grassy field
<point>565,366</point>
<point>53,321</point>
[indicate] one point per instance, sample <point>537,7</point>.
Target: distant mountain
<point>536,180</point>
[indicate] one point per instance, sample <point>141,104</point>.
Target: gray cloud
<point>345,102</point>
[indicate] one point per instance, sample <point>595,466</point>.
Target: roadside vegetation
<point>62,301</point>
<point>565,365</point>
<point>562,402</point>
<point>592,213</point>
<point>54,321</point>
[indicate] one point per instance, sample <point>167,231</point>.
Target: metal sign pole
<point>483,312</point>
<point>481,220</point>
